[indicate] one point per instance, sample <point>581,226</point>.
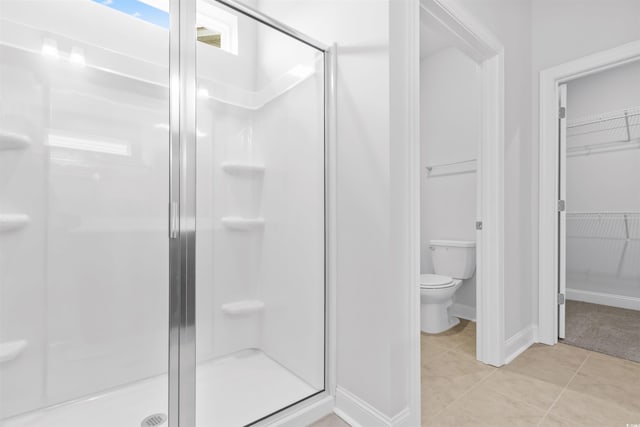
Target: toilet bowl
<point>453,261</point>
<point>436,296</point>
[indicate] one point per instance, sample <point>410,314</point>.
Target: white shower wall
<point>85,283</point>
<point>450,100</point>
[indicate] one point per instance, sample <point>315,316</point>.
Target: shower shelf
<point>10,222</point>
<point>242,224</point>
<point>13,141</point>
<point>243,307</point>
<point>12,349</point>
<point>233,168</point>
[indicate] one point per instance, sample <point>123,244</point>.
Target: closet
<point>602,180</point>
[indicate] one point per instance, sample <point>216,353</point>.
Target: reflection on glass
<point>84,287</point>
<point>260,226</point>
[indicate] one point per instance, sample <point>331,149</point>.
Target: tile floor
<point>330,421</point>
<point>556,385</point>
<point>545,386</point>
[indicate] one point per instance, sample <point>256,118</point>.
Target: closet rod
<point>586,150</point>
<point>606,117</point>
<point>444,165</point>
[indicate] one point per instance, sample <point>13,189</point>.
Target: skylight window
<point>215,26</point>
<point>140,10</point>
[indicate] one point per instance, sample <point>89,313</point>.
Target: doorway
<point>453,26</point>
<point>588,237</point>
<point>599,211</point>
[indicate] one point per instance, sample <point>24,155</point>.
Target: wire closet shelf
<point>604,243</point>
<point>612,131</point>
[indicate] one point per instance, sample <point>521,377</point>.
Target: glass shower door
<point>84,285</point>
<point>260,218</point>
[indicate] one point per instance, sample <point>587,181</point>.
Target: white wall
<point>564,31</point>
<point>450,108</point>
<point>603,182</point>
<point>290,130</point>
<point>372,305</point>
<point>606,181</point>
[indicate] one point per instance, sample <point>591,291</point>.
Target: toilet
<point>453,261</point>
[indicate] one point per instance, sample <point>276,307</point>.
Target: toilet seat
<point>435,281</point>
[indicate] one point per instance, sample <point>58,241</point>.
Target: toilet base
<point>435,318</point>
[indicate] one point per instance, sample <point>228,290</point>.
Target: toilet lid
<point>435,281</point>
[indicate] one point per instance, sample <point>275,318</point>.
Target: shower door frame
<point>182,219</point>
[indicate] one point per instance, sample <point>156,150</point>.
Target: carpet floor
<point>610,330</point>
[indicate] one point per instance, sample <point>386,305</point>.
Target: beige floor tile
<point>452,338</point>
<point>446,377</point>
<point>430,349</point>
<point>454,419</point>
<point>455,371</point>
<point>555,421</point>
<point>523,387</point>
<point>612,368</point>
<point>551,364</point>
<point>586,410</point>
<point>485,407</point>
<point>622,391</point>
<point>330,421</point>
<point>572,356</point>
<point>434,398</point>
<point>467,346</point>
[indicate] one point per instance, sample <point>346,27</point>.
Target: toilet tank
<point>453,258</point>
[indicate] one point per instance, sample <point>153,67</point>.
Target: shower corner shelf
<point>13,141</point>
<point>238,308</point>
<point>10,222</point>
<point>12,349</point>
<point>235,168</point>
<point>242,224</point>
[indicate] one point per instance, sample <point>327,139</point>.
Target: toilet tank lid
<point>453,243</point>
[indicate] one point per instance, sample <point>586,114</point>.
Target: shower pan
<point>163,214</point>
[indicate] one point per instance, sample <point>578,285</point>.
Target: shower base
<point>231,391</point>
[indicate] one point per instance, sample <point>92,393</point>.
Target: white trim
<point>463,311</point>
<point>359,413</point>
<point>412,25</point>
<point>474,39</point>
<point>612,300</point>
<point>550,79</point>
<point>332,221</point>
<point>308,414</point>
<point>521,341</point>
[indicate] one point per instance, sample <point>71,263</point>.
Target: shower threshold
<point>231,391</point>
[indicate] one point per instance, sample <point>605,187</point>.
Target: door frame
<point>481,45</point>
<point>548,251</point>
<point>182,229</point>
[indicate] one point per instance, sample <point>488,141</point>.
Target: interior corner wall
<point>370,311</point>
<point>563,31</point>
<point>510,22</point>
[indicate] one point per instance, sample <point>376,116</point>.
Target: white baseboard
<point>307,415</point>
<point>602,298</point>
<point>359,413</point>
<point>519,342</point>
<point>462,311</point>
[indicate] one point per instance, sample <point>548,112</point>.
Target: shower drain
<point>153,420</point>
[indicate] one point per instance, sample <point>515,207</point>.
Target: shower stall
<point>163,214</point>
